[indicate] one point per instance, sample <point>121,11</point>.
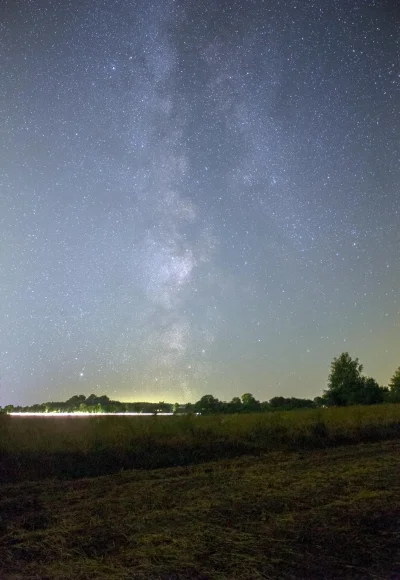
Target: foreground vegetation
<point>35,447</point>
<point>332,514</point>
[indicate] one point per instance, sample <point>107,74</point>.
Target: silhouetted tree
<point>206,405</point>
<point>290,403</point>
<point>394,387</point>
<point>250,403</point>
<point>276,403</point>
<point>319,402</point>
<point>235,406</point>
<point>370,393</point>
<point>344,380</point>
<point>91,400</point>
<point>347,386</point>
<point>76,400</point>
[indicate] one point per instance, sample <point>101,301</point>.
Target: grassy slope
<point>333,513</point>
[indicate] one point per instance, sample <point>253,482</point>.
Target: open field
<point>64,447</point>
<point>332,513</point>
<point>302,494</point>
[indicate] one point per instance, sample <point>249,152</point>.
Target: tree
<point>103,402</point>
<point>250,403</point>
<point>394,384</point>
<point>347,386</point>
<point>91,400</point>
<point>319,402</point>
<point>370,393</point>
<point>344,380</point>
<point>277,403</point>
<point>235,406</point>
<point>207,404</point>
<point>393,390</point>
<point>76,400</point>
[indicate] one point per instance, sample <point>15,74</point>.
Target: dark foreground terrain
<point>333,513</point>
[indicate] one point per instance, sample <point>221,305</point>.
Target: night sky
<point>197,197</point>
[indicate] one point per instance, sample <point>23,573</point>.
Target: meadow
<point>67,447</point>
<point>320,514</point>
<point>295,495</point>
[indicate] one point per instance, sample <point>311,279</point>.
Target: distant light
<point>81,414</point>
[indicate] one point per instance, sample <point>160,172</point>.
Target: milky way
<point>197,197</point>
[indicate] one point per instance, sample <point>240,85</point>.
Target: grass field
<point>35,448</point>
<point>298,495</point>
<point>331,513</point>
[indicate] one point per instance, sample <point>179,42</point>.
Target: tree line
<point>346,386</point>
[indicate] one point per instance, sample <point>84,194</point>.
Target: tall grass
<point>35,447</point>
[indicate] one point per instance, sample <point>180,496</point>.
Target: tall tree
<point>347,386</point>
<point>394,388</point>
<point>344,380</point>
<point>394,384</point>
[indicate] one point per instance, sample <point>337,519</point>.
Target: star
<point>180,181</point>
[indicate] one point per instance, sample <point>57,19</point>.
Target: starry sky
<point>197,197</point>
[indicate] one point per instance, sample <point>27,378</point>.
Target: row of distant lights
<point>79,414</point>
<point>87,414</point>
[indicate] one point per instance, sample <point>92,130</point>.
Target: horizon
<point>135,401</point>
<point>154,400</point>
